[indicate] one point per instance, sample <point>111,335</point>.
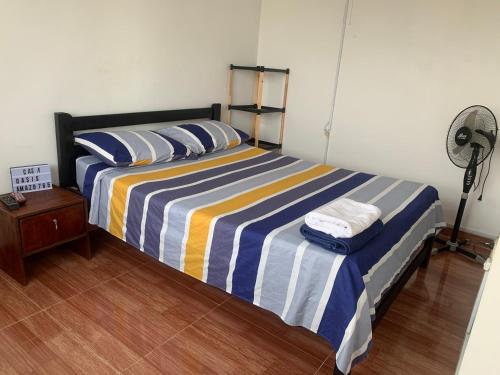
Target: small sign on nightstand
<point>31,178</point>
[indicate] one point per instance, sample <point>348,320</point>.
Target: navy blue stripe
<point>88,183</point>
<point>253,236</point>
<point>138,194</point>
<point>154,219</point>
<point>244,136</point>
<point>121,156</point>
<point>225,228</point>
<point>200,133</point>
<point>394,229</point>
<point>180,150</point>
<point>349,286</point>
<point>155,214</point>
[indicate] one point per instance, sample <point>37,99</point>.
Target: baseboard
<point>476,232</point>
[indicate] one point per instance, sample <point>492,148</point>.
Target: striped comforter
<point>232,218</point>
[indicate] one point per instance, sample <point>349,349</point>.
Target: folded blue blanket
<point>344,246</point>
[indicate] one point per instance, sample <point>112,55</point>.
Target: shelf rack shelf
<point>253,108</point>
<point>258,109</point>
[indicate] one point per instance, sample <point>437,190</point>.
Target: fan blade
<point>457,150</point>
<point>489,136</point>
<point>470,120</point>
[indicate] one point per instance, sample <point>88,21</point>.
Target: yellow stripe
<point>142,162</point>
<point>199,226</point>
<point>121,185</point>
<point>233,143</point>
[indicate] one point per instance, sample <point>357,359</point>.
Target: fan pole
<point>458,220</point>
<point>469,177</point>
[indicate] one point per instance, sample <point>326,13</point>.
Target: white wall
<point>303,36</point>
<point>408,68</point>
<point>481,352</point>
<point>110,56</point>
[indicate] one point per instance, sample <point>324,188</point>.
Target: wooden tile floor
<point>123,312</point>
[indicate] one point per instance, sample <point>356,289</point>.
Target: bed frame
<point>67,153</point>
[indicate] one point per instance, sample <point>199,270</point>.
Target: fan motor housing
<point>463,136</point>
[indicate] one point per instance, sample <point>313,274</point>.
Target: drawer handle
<point>55,224</point>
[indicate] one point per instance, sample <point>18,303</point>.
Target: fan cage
<point>486,121</point>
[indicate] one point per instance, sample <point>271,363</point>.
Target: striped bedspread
<point>232,219</point>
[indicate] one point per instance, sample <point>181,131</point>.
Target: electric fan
<point>471,139</point>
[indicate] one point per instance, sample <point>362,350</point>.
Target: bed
<point>231,219</point>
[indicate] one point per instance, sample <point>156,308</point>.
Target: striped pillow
<point>130,148</point>
<point>206,136</point>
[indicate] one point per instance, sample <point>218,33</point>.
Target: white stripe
<point>254,203</point>
<point>294,277</point>
<point>194,137</point>
<point>82,161</point>
<point>327,292</point>
<point>270,237</point>
<point>349,331</point>
<point>169,205</point>
<point>355,354</point>
<point>170,146</point>
<point>191,212</point>
<point>403,205</point>
<point>94,159</point>
<point>139,171</point>
<point>353,323</point>
<point>236,134</point>
<point>149,145</point>
<point>221,130</point>
<point>385,191</point>
<point>150,195</point>
<point>94,200</point>
<point>368,276</point>
<point>127,146</point>
<point>214,140</point>
<point>376,266</point>
<point>241,227</point>
<point>96,148</point>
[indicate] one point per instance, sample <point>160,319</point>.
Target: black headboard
<point>67,151</point>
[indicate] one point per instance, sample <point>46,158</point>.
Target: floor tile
<point>39,345</point>
<point>221,343</point>
<point>215,294</point>
<point>124,311</point>
<point>14,304</point>
<point>100,339</point>
<point>298,336</point>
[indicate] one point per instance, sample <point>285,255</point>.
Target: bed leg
<point>428,252</point>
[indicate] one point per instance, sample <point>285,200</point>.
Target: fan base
<point>457,247</point>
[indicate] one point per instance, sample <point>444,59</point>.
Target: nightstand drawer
<point>46,229</point>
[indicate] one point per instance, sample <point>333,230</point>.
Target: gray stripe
<point>177,214</point>
<point>99,210</point>
<point>398,195</point>
<point>225,229</point>
<point>279,258</point>
<point>362,332</point>
<point>82,165</point>
<point>156,208</point>
<point>402,255</point>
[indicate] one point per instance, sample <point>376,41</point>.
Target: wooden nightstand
<point>48,219</point>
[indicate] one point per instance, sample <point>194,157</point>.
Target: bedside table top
<point>41,201</point>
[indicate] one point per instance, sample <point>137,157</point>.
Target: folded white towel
<point>343,218</point>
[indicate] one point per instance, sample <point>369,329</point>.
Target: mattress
<point>232,218</point>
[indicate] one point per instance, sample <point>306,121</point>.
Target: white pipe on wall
<point>329,124</point>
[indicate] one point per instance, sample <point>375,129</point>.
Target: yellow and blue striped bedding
<point>124,148</point>
<point>232,219</point>
<point>205,136</point>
